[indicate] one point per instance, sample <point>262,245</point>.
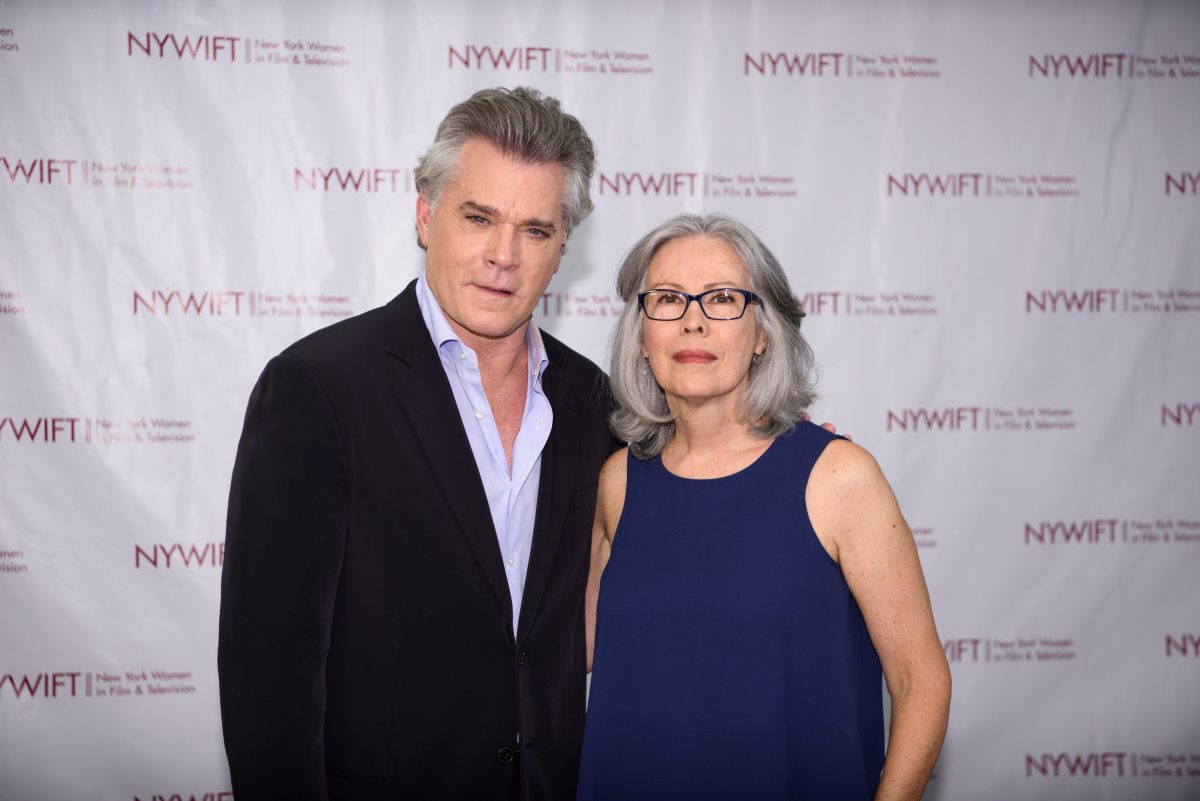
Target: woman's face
<point>695,358</point>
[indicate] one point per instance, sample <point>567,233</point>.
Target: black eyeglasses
<point>725,303</point>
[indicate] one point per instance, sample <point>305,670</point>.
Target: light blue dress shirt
<point>511,497</point>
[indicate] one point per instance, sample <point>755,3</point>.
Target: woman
<point>757,573</point>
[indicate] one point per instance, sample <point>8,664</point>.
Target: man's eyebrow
<point>480,208</point>
<point>471,205</point>
<point>533,222</point>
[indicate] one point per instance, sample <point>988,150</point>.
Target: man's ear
<point>424,215</point>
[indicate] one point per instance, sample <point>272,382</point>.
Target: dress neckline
<point>757,460</point>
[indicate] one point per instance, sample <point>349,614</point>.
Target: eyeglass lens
<point>718,304</point>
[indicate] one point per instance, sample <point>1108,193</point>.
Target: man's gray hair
<point>781,384</point>
<point>523,124</point>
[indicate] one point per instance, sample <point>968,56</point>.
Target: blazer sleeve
<point>284,540</point>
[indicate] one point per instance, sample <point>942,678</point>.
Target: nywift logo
<point>1185,644</point>
<point>924,184</point>
<point>521,58</point>
<point>388,180</point>
<point>810,64</point>
<point>187,303</point>
<point>669,184</point>
<point>44,170</point>
<point>162,555</point>
<point>1085,65</point>
<point>41,429</point>
<point>205,47</point>
<point>1182,183</point>
<point>1180,415</point>
<point>1096,300</point>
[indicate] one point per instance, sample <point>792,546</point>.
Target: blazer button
<point>505,755</point>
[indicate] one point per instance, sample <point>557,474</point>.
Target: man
<point>412,501</point>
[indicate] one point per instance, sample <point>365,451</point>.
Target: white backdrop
<point>990,210</point>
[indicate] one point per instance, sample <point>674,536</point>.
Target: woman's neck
<point>711,442</point>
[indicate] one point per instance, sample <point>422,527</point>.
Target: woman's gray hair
<point>525,125</point>
<point>781,384</point>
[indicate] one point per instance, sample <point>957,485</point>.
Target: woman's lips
<point>694,357</point>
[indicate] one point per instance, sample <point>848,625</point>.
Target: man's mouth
<point>496,291</point>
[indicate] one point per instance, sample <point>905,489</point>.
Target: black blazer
<point>366,645</point>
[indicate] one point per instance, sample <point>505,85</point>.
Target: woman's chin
<point>698,394</point>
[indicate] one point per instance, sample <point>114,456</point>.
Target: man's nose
<point>502,247</point>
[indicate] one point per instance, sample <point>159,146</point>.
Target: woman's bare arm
<point>856,516</point>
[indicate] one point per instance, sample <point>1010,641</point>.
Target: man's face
<point>494,242</point>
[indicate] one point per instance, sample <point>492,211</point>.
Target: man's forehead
<point>491,179</point>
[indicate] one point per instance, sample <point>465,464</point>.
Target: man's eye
<point>538,233</point>
<point>478,219</point>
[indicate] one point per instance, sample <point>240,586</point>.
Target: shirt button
<point>462,355</point>
<point>478,415</point>
<point>512,562</point>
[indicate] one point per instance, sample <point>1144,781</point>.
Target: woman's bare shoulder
<point>849,500</point>
<point>614,467</point>
<point>845,466</point>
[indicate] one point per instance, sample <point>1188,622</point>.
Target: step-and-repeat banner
<point>990,211</point>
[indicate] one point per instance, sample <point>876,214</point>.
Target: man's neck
<point>504,373</point>
<point>498,356</point>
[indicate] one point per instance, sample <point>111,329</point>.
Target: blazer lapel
<point>425,396</point>
<point>560,463</point>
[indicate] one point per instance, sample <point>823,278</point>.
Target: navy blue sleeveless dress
<point>731,660</point>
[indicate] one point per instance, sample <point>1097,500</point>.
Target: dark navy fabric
<point>731,660</point>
